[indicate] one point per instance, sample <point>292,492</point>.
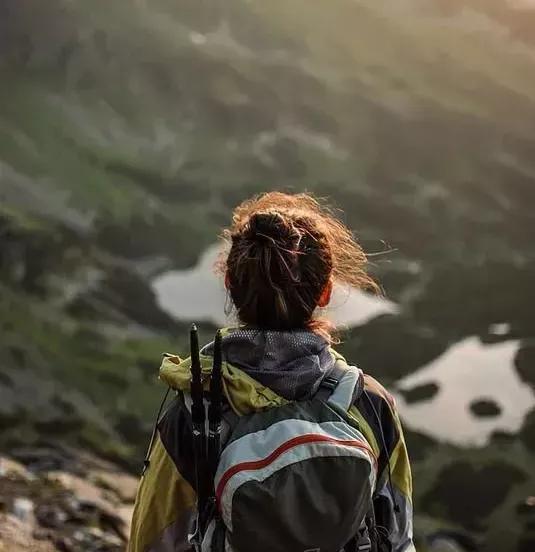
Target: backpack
<point>295,478</point>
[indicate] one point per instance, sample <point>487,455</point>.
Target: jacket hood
<point>261,368</point>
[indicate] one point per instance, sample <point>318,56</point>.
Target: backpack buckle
<point>329,382</point>
<point>364,542</point>
<point>194,537</point>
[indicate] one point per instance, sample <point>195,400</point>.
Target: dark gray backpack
<point>297,478</point>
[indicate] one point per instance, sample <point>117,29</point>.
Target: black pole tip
<point>194,327</point>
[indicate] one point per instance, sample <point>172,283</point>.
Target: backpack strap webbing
<point>342,385</point>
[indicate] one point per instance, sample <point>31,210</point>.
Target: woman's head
<point>286,250</point>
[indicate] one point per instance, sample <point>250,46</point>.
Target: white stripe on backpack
<point>263,453</point>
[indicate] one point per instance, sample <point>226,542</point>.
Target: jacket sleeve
<point>165,500</point>
<point>393,493</point>
<point>163,507</point>
<point>393,502</point>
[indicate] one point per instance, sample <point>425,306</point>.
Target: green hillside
<point>130,129</point>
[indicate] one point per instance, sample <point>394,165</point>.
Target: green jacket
<point>165,500</point>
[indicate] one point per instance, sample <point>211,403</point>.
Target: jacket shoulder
<point>373,387</point>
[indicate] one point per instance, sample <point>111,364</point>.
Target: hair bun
<point>269,225</point>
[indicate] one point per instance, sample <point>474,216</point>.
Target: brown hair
<point>284,249</point>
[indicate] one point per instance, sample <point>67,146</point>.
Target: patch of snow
<point>199,294</point>
<point>468,371</point>
<point>195,293</point>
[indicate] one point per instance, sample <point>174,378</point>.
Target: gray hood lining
<point>290,363</point>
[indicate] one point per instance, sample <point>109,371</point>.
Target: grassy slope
<point>130,129</point>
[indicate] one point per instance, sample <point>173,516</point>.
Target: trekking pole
<point>198,417</point>
<point>214,409</point>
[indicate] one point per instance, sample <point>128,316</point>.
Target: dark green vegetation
<point>128,131</point>
<point>422,392</point>
<point>485,408</point>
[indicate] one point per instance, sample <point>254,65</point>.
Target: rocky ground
<point>55,498</point>
<point>58,499</point>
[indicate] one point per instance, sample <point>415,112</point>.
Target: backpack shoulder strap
<point>342,386</point>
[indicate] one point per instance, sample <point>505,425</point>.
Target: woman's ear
<point>325,296</point>
<point>227,281</point>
